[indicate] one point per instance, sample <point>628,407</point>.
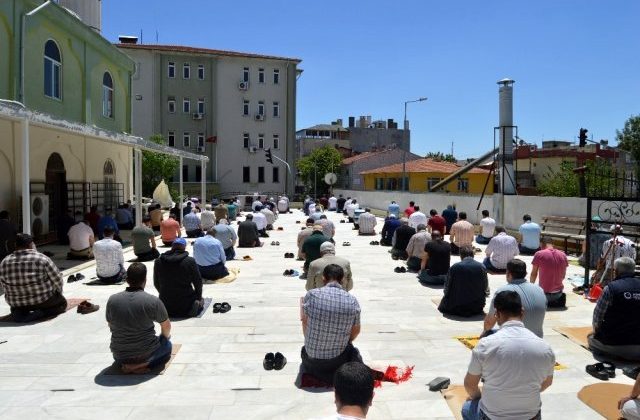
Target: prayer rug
<point>233,275</point>
<point>455,396</point>
<point>114,370</point>
<point>99,282</point>
<point>576,334</point>
<point>391,374</point>
<point>603,398</point>
<point>71,303</point>
<point>471,341</point>
<point>207,303</point>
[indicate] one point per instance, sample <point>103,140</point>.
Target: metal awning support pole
<point>26,177</point>
<point>180,192</point>
<point>203,182</point>
<point>138,185</point>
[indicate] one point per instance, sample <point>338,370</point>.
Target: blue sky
<point>575,62</point>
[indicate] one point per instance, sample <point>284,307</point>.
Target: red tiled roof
<point>359,156</point>
<point>423,165</point>
<point>197,50</point>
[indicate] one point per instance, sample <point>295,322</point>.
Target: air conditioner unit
<point>197,116</point>
<point>39,214</point>
<point>200,149</point>
<point>259,117</point>
<point>253,149</point>
<point>243,85</point>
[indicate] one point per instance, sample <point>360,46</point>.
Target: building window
<point>245,74</point>
<point>186,71</point>
<point>260,107</point>
<point>185,173</point>
<point>260,75</point>
<point>392,184</point>
<point>261,174</point>
<point>200,139</point>
<point>198,173</point>
<point>201,71</point>
<point>276,174</point>
<point>276,141</point>
<point>245,107</point>
<point>186,105</point>
<point>171,70</point>
<point>260,141</point>
<point>107,95</point>
<point>432,181</point>
<point>276,109</point>
<point>246,140</point>
<point>52,70</point>
<point>276,76</point>
<point>186,139</point>
<point>171,138</point>
<point>171,105</point>
<point>201,106</point>
<point>463,185</point>
<point>246,174</point>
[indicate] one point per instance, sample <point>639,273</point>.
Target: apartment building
<point>227,105</point>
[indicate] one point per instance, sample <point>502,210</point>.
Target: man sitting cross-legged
<point>144,241</point>
<point>435,260</point>
<point>502,248</point>
<point>516,367</point>
<point>551,264</point>
<point>131,315</point>
<point>330,323</point>
<point>178,281</point>
<point>328,256</point>
<point>81,240</point>
<point>32,283</point>
<point>353,383</point>
<point>109,258</point>
<point>415,248</point>
<point>210,256</point>
<point>465,291</point>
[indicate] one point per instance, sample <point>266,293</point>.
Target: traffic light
<point>583,137</point>
<point>267,153</point>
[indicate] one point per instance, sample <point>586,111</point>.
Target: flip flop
<point>225,307</point>
<point>279,361</point>
<point>268,362</point>
<point>216,307</point>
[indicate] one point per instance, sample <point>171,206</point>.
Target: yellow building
<point>423,173</point>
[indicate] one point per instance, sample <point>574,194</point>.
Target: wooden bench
<point>565,228</point>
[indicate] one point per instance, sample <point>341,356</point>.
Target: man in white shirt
<point>81,241</point>
<point>351,209</point>
<point>270,216</point>
<point>109,259</point>
<point>417,218</point>
<point>261,222</point>
<point>207,218</point>
<point>333,202</point>
<point>501,249</point>
<point>487,228</point>
<point>514,363</point>
<point>256,203</point>
<point>283,205</point>
<point>367,223</point>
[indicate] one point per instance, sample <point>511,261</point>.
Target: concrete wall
<point>515,206</point>
<point>363,139</point>
<point>419,181</point>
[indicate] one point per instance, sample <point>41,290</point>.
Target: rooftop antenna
<point>157,36</point>
<point>141,37</point>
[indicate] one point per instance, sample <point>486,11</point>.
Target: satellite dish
<point>330,178</point>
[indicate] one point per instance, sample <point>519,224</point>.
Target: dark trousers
<point>455,249</point>
<point>527,251</point>
<point>53,306</point>
<point>413,264</point>
<point>148,256</point>
<point>324,369</point>
<point>482,240</point>
<point>196,233</point>
<point>120,277</point>
<point>160,357</point>
<point>230,253</point>
<point>213,272</point>
<point>125,226</point>
<point>399,254</point>
<point>491,268</point>
<point>263,233</point>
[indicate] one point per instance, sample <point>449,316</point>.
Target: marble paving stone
<point>66,413</point>
<point>200,412</point>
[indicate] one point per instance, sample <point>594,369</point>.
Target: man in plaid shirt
<point>330,322</point>
<point>32,283</point>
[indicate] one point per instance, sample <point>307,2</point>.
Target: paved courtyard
<point>52,369</point>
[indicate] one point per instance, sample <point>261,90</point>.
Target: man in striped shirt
<point>367,223</point>
<point>614,248</point>
<point>502,248</point>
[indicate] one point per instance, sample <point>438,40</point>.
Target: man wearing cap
<point>178,281</point>
<point>614,248</point>
<point>596,241</point>
<point>391,223</point>
<point>311,248</point>
<point>32,283</point>
<point>415,248</point>
<point>227,235</point>
<point>328,256</point>
<point>248,235</point>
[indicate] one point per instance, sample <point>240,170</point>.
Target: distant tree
<point>441,157</point>
<point>313,167</point>
<point>156,167</point>
<point>600,179</point>
<point>629,140</point>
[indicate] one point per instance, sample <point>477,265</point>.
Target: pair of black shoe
<point>602,371</point>
<point>400,269</point>
<point>289,255</point>
<point>275,243</point>
<point>222,308</point>
<point>75,277</point>
<point>374,243</point>
<point>274,361</point>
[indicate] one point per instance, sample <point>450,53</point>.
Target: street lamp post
<point>404,136</point>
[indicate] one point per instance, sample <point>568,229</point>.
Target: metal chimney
<point>505,151</point>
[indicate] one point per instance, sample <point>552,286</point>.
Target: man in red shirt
<point>551,264</point>
<point>436,222</point>
<point>410,210</point>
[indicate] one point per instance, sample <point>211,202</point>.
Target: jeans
<point>482,240</point>
<point>490,267</point>
<point>160,357</point>
<point>53,306</point>
<point>413,264</point>
<point>527,251</point>
<point>230,253</point>
<point>148,256</point>
<point>120,277</point>
<point>213,272</point>
<point>471,411</point>
<point>196,233</point>
<point>426,278</point>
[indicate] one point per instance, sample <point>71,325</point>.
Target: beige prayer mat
<point>71,303</point>
<point>576,334</point>
<point>455,396</point>
<point>603,398</point>
<point>233,275</point>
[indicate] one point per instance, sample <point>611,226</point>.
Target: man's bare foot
<point>136,368</point>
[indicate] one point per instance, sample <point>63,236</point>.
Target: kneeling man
<point>210,256</point>
<point>131,315</point>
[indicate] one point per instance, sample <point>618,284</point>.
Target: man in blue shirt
<point>191,223</point>
<point>450,215</point>
<point>210,257</point>
<point>394,209</point>
<point>108,220</point>
<point>530,232</point>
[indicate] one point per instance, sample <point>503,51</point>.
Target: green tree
<point>316,165</point>
<point>156,167</point>
<point>629,140</point>
<point>600,179</point>
<point>439,157</point>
